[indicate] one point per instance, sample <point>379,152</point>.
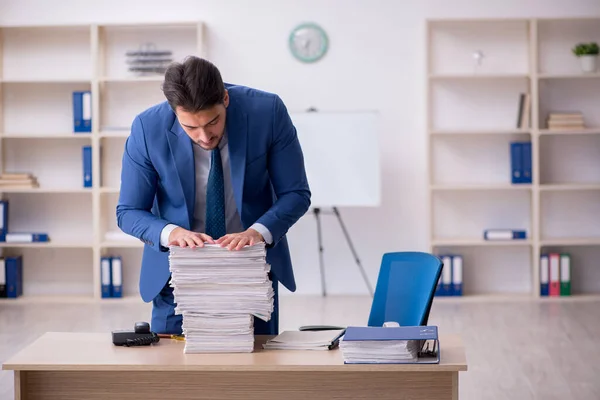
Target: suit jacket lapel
<point>237,132</point>
<point>183,157</point>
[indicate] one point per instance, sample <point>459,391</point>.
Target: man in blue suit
<point>214,163</point>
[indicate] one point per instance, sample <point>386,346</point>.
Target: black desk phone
<point>140,336</point>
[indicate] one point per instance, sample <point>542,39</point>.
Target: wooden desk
<point>88,366</point>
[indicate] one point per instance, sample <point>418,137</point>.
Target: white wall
<point>376,61</point>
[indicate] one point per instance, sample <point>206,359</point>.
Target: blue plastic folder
<point>426,335</point>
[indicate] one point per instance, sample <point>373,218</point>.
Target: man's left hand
<point>236,241</point>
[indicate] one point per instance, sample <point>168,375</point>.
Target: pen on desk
<point>171,336</point>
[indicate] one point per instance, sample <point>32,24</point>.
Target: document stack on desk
<point>218,292</point>
<point>390,345</point>
<point>305,340</point>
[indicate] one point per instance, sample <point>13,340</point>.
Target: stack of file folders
<point>219,292</point>
<point>390,345</point>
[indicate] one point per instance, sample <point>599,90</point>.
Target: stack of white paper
<point>380,351</point>
<point>304,340</point>
<point>218,292</point>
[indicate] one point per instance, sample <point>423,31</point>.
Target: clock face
<point>308,42</point>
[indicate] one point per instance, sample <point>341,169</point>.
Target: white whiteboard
<point>341,156</point>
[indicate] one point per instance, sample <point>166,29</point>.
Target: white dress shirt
<point>233,222</point>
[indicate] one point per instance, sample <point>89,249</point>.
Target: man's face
<point>205,127</point>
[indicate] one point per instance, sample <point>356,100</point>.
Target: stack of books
<point>18,180</point>
<point>566,121</point>
<point>219,292</point>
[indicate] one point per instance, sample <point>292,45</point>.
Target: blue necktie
<point>215,198</point>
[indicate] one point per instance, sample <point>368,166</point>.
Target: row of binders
<point>111,277</point>
<point>520,162</point>
<point>451,279</point>
<point>16,237</point>
<point>555,274</point>
<point>11,277</point>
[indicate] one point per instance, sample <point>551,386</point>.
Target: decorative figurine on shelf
<point>478,57</point>
<point>147,60</point>
<point>588,54</point>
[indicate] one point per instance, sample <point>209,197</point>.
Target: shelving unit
<point>472,112</point>
<point>40,68</point>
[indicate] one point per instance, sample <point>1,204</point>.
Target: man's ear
<point>226,98</point>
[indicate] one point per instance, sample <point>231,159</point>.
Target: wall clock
<point>308,42</point>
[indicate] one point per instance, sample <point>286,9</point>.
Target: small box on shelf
<point>504,234</point>
<point>27,237</point>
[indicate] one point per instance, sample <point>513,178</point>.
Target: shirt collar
<point>223,141</point>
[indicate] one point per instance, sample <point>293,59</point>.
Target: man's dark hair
<point>194,85</point>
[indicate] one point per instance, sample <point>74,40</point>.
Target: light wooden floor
<point>516,349</point>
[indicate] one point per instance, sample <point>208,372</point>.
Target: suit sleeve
<point>138,191</point>
<point>287,174</point>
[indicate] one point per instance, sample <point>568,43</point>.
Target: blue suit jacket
<point>267,174</point>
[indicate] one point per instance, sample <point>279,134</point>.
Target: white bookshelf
<point>40,67</point>
<point>471,119</point>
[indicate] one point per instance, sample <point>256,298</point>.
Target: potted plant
<point>587,53</point>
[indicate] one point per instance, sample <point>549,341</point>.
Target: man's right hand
<point>183,238</point>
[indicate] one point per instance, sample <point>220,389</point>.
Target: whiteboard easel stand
<point>317,212</point>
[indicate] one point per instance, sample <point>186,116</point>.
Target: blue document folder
<point>14,276</point>
<point>82,111</point>
<point>426,336</point>
<point>87,166</point>
<point>3,219</point>
<point>106,277</point>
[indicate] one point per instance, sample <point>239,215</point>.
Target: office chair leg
<point>364,275</point>
<point>317,212</point>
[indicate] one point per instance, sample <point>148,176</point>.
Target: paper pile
<point>390,344</point>
<point>305,340</point>
<point>218,292</point>
<point>386,351</point>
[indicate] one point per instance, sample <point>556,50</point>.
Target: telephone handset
<point>140,336</point>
